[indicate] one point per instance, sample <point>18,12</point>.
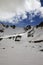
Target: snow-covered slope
<point>37,35</point>
<point>21,51</point>
<point>31,34</point>
<point>10,30</point>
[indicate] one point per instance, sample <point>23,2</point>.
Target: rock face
<point>18,38</point>
<point>1,30</point>
<point>31,32</point>
<point>40,25</point>
<point>6,26</point>
<point>13,26</point>
<point>27,27</point>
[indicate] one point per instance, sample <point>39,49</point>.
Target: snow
<point>21,52</point>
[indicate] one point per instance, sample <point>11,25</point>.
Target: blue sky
<point>35,21</point>
<point>23,13</point>
<point>41,2</point>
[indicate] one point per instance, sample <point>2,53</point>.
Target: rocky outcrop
<point>40,25</point>
<point>18,38</point>
<point>13,26</point>
<point>27,27</point>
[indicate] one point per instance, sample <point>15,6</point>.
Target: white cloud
<point>41,10</point>
<point>10,8</point>
<point>32,5</point>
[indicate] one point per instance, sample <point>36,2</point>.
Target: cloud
<point>19,5</point>
<point>18,8</point>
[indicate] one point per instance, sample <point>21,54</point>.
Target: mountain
<point>10,29</point>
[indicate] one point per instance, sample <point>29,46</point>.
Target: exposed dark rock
<point>13,26</point>
<point>9,37</point>
<point>4,25</point>
<point>41,50</point>
<point>18,38</point>
<point>3,48</point>
<point>27,27</point>
<point>40,25</point>
<point>1,39</point>
<point>30,33</point>
<point>1,30</point>
<point>30,41</point>
<point>38,41</point>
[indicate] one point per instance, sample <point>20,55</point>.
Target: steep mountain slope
<point>31,33</point>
